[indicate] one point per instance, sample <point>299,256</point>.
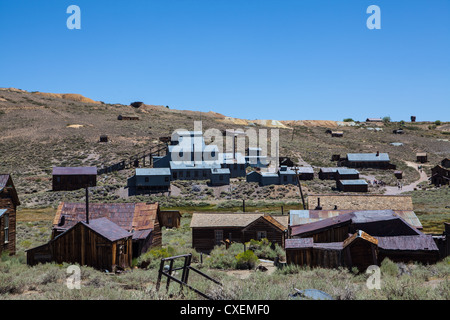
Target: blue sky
<point>253,59</point>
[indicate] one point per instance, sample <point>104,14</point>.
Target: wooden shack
<point>103,138</point>
<point>100,244</point>
<point>445,163</point>
<point>140,219</point>
<point>73,178</point>
<point>170,218</point>
<point>376,160</point>
<point>398,174</point>
<point>9,201</point>
<point>440,176</point>
<point>360,250</point>
<point>305,252</point>
<point>149,180</point>
<point>421,157</point>
<point>211,229</point>
<point>346,174</point>
<point>338,134</point>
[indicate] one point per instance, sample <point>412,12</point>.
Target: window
<point>146,179</point>
<point>218,236</point>
<point>6,227</point>
<point>261,235</point>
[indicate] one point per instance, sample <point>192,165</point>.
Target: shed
<point>149,180</point>
<point>337,134</point>
<point>220,177</point>
<point>398,174</point>
<point>73,178</point>
<point>422,157</point>
<point>413,118</point>
<point>253,176</point>
<point>440,176</point>
<point>328,173</point>
<point>100,244</point>
<point>170,218</point>
<point>445,163</point>
<point>140,219</point>
<point>268,178</point>
<point>357,185</point>
<point>103,138</point>
<point>9,201</point>
<point>374,120</point>
<point>287,176</point>
<point>127,117</point>
<point>305,173</point>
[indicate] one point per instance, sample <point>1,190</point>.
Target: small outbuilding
<point>358,185</point>
<point>9,201</point>
<point>422,157</point>
<point>220,176</point>
<point>149,180</point>
<point>73,178</point>
<point>346,174</point>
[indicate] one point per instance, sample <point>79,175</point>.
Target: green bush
<point>246,260</point>
<point>152,258</point>
<point>265,250</point>
<point>388,268</point>
<point>437,122</point>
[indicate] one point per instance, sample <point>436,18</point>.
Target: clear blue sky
<point>253,59</point>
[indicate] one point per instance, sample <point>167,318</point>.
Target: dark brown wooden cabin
<point>422,157</point>
<point>170,218</point>
<point>100,244</point>
<point>212,229</point>
<point>445,163</point>
<point>398,174</point>
<point>8,206</point>
<point>121,117</point>
<point>140,219</point>
<point>440,176</point>
<point>358,185</point>
<point>305,252</point>
<point>360,251</point>
<point>103,138</point>
<point>73,178</point>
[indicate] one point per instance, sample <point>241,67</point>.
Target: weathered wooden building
<point>421,157</point>
<point>398,174</point>
<point>73,178</point>
<point>440,176</point>
<point>127,117</point>
<point>100,244</point>
<point>211,229</point>
<point>9,201</point>
<point>170,218</point>
<point>374,120</point>
<point>445,163</point>
<point>338,134</point>
<point>358,185</point>
<point>140,219</point>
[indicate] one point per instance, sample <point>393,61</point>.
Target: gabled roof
<point>220,219</point>
<point>2,212</point>
<point>270,220</point>
<point>6,182</point>
<point>347,171</point>
<point>359,235</point>
<point>74,171</point>
<point>128,216</point>
<point>353,182</point>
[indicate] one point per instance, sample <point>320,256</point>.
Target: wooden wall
<point>315,257</point>
<point>73,182</point>
<point>337,234</point>
<point>274,235</point>
<point>85,247</point>
<point>203,239</point>
<point>360,254</point>
<point>170,219</point>
<point>7,203</point>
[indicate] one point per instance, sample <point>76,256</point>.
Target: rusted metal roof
<point>415,243</point>
<point>299,243</point>
<point>231,219</point>
<point>129,216</point>
<point>65,171</point>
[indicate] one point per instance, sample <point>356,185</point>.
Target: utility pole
<point>300,187</point>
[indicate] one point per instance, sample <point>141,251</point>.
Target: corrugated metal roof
<point>298,243</point>
<point>153,172</point>
<point>353,182</point>
<point>191,165</point>
<point>419,242</point>
<point>329,170</point>
<point>367,157</point>
<point>74,171</point>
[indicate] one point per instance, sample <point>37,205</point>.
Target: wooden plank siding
<point>274,235</point>
<point>7,203</point>
<point>203,239</point>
